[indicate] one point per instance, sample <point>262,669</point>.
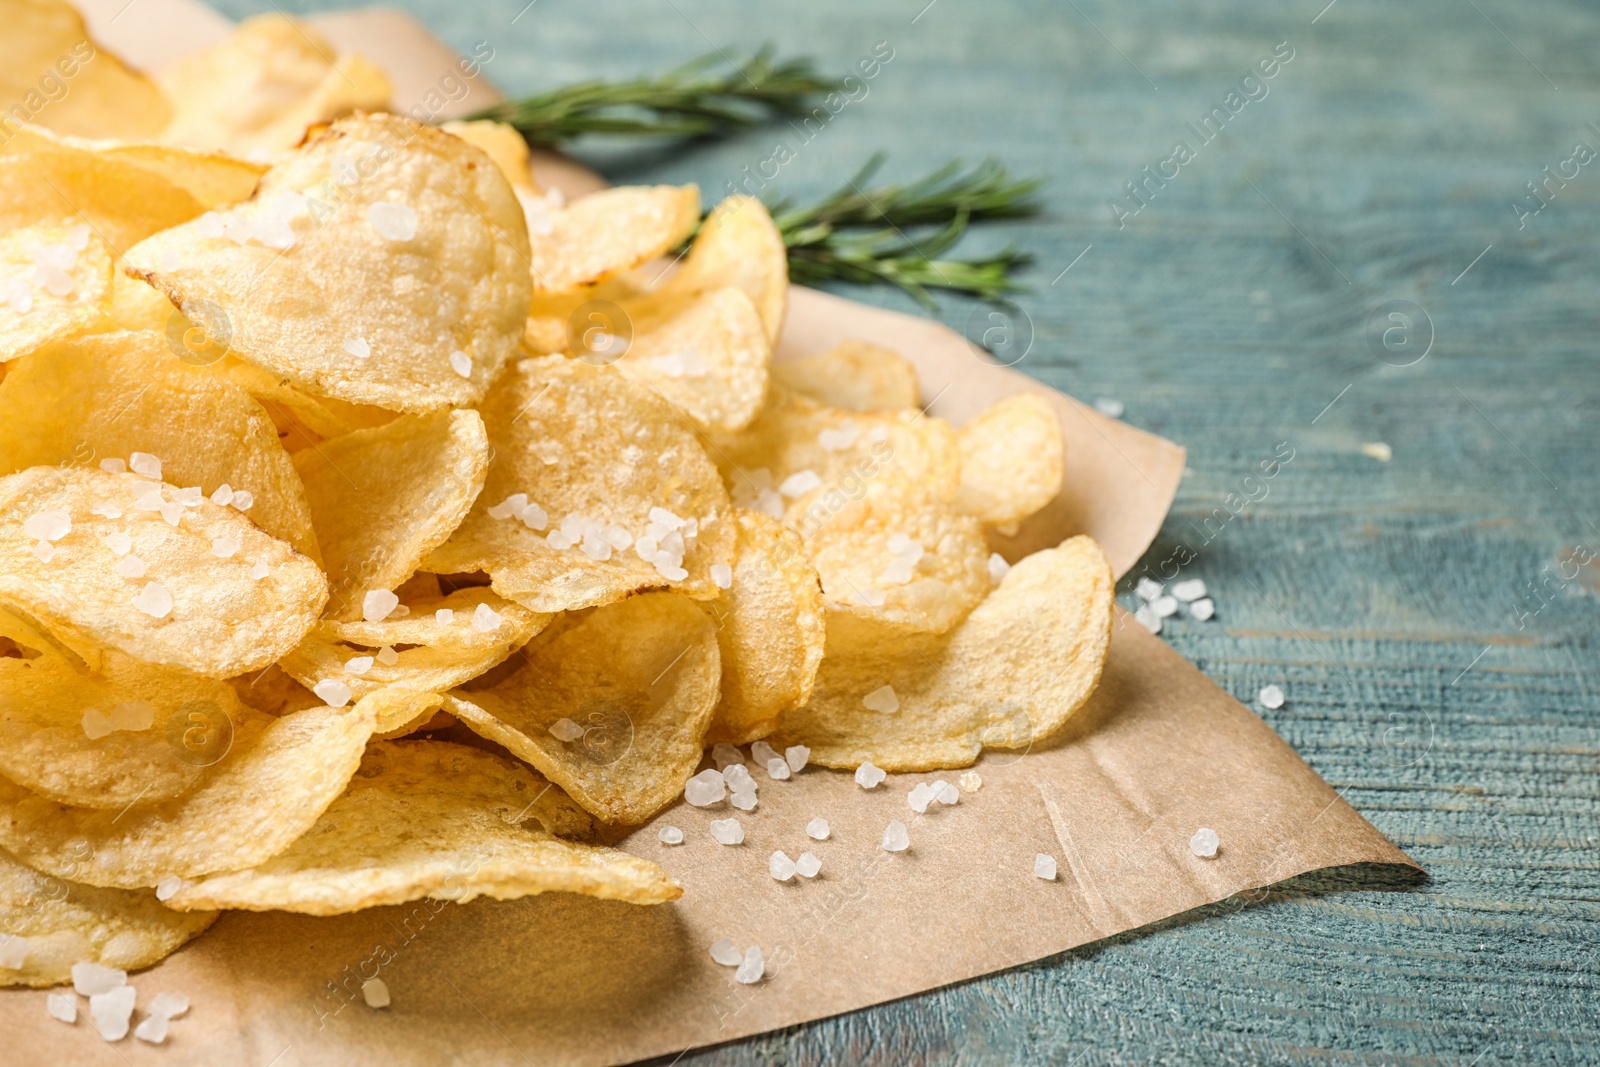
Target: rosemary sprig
<point>689,101</point>
<point>858,234</point>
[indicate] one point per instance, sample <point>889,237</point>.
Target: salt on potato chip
<point>895,554</point>
<point>55,281</point>
<point>212,178</point>
<point>381,262</point>
<point>739,245</point>
<point>770,630</point>
<point>596,491</point>
<point>109,395</point>
<point>472,619</point>
<point>383,498</point>
<point>113,739</point>
<point>122,203</point>
<point>637,681</point>
<point>431,819</point>
<point>608,232</point>
<point>501,143</point>
<point>52,924</point>
<point>253,808</point>
<point>1012,459</point>
<point>257,91</point>
<point>853,375</point>
<point>189,607</point>
<point>705,353</point>
<point>52,73</point>
<point>1009,676</point>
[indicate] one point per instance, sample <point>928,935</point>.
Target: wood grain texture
<point>1227,315</point>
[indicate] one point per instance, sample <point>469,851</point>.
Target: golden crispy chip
<point>631,687</point>
<point>122,203</point>
<point>55,281</point>
<point>106,396</point>
<point>52,924</point>
<point>398,711</point>
<point>1023,662</point>
<point>24,636</point>
<point>1012,458</point>
<point>854,375</point>
<point>738,245</point>
<point>273,691</point>
<point>113,739</point>
<point>135,306</point>
<point>594,490</point>
<point>259,90</point>
<point>770,630</point>
<point>249,811</point>
<point>608,232</point>
<point>705,353</point>
<point>302,419</point>
<point>212,178</point>
<point>383,498</point>
<point>196,603</point>
<point>501,143</point>
<point>465,620</point>
<point>53,74</point>
<point>431,819</point>
<point>895,555</point>
<point>381,262</point>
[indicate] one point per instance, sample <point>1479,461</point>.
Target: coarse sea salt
<point>131,566</point>
<point>1271,697</point>
<point>818,829</point>
<point>869,776</point>
<point>970,781</point>
<point>154,600</point>
<point>726,755</point>
<point>394,222</point>
<point>378,604</point>
<point>357,347</point>
<point>726,953</point>
<point>332,692</point>
<point>800,483</point>
<point>743,799</point>
<point>797,756</point>
<point>168,886</point>
<point>1109,407</point>
<point>705,789</point>
<point>1164,606</point>
<point>1148,589</point>
<point>1044,867</point>
<point>727,831</point>
<point>1147,617</point>
<point>998,567</point>
<point>919,798</point>
<point>1189,589</point>
<point>61,1006</point>
<point>51,524</point>
<point>895,838</point>
<point>358,665</point>
<point>722,575</point>
<point>763,753</point>
<point>388,656</point>
<point>1204,843</point>
<point>485,619</point>
<point>807,865</point>
<point>945,793</point>
<point>97,724</point>
<point>780,866</point>
<point>738,777</point>
<point>145,465</point>
<point>1203,609</point>
<point>565,730</point>
<point>112,1011</point>
<point>882,700</point>
<point>753,967</point>
<point>375,991</point>
<point>91,978</point>
<point>778,768</point>
<point>669,835</point>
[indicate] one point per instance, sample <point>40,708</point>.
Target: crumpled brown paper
<point>1159,752</point>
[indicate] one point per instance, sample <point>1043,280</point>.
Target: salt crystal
<point>485,619</point>
<point>153,1029</point>
<point>1378,450</point>
<point>763,753</point>
<point>394,222</point>
<point>919,798</point>
<point>112,1011</point>
<point>1272,697</point>
<point>839,439</point>
<point>705,789</point>
<point>780,866</point>
<point>388,656</point>
<point>358,665</point>
<point>670,572</point>
<point>800,483</point>
<point>726,953</point>
<point>145,465</point>
<point>808,865</point>
<point>97,724</point>
<point>727,831</point>
<point>722,575</point>
<point>565,730</point>
<point>114,466</point>
<point>150,500</point>
<point>61,1006</point>
<point>1189,589</point>
<point>726,755</point>
<point>332,692</point>
<point>357,347</point>
<point>738,777</point>
<point>191,497</point>
<point>1204,843</point>
<point>375,991</point>
<point>1044,867</point>
<point>133,715</point>
<point>444,616</point>
<point>753,967</point>
<point>1164,606</point>
<point>378,605</point>
<point>225,546</point>
<point>1147,617</point>
<point>259,571</point>
<point>109,511</point>
<point>870,777</point>
<point>998,567</point>
<point>1203,609</point>
<point>669,835</point>
<point>797,756</point>
<point>243,500</point>
<point>946,794</point>
<point>131,567</point>
<point>170,1005</point>
<point>1109,407</point>
<point>534,517</point>
<point>172,511</point>
<point>1148,589</point>
<point>14,951</point>
<point>51,524</point>
<point>223,495</point>
<point>44,551</point>
<point>743,799</point>
<point>817,829</point>
<point>168,887</point>
<point>895,838</point>
<point>882,700</point>
<point>154,601</point>
<point>461,363</point>
<point>778,768</point>
<point>508,507</point>
<point>971,781</point>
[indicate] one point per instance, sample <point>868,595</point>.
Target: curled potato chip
<point>501,143</point>
<point>431,819</point>
<point>301,418</point>
<point>212,178</point>
<point>274,691</point>
<point>473,619</point>
<point>398,711</point>
<point>191,607</point>
<point>51,924</point>
<point>705,353</point>
<point>381,262</point>
<point>770,630</point>
<point>1012,459</point>
<point>257,91</point>
<point>1018,667</point>
<point>113,739</point>
<point>122,203</point>
<point>586,460</point>
<point>638,680</point>
<point>383,498</point>
<point>739,245</point>
<point>107,396</point>
<point>55,75</point>
<point>55,280</point>
<point>249,811</point>
<point>608,232</point>
<point>853,375</point>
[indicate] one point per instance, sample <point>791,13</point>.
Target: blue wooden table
<point>1346,256</point>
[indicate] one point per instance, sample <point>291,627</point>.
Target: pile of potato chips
<point>374,522</point>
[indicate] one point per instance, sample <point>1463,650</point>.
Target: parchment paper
<point>1159,752</point>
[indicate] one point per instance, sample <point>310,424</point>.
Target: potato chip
<point>107,740</point>
<point>52,924</point>
<point>382,262</point>
<point>274,691</point>
<point>596,491</point>
<point>1022,663</point>
<point>257,92</point>
<point>213,594</point>
<point>383,498</point>
<point>706,354</point>
<point>614,708</point>
<point>53,74</point>
<point>430,819</point>
<point>473,619</point>
<point>301,418</point>
<point>608,232</point>
<point>122,203</point>
<point>55,281</point>
<point>769,630</point>
<point>212,178</point>
<point>501,143</point>
<point>738,245</point>
<point>249,811</point>
<point>135,306</point>
<point>1012,459</point>
<point>398,711</point>
<point>853,375</point>
<point>106,396</point>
